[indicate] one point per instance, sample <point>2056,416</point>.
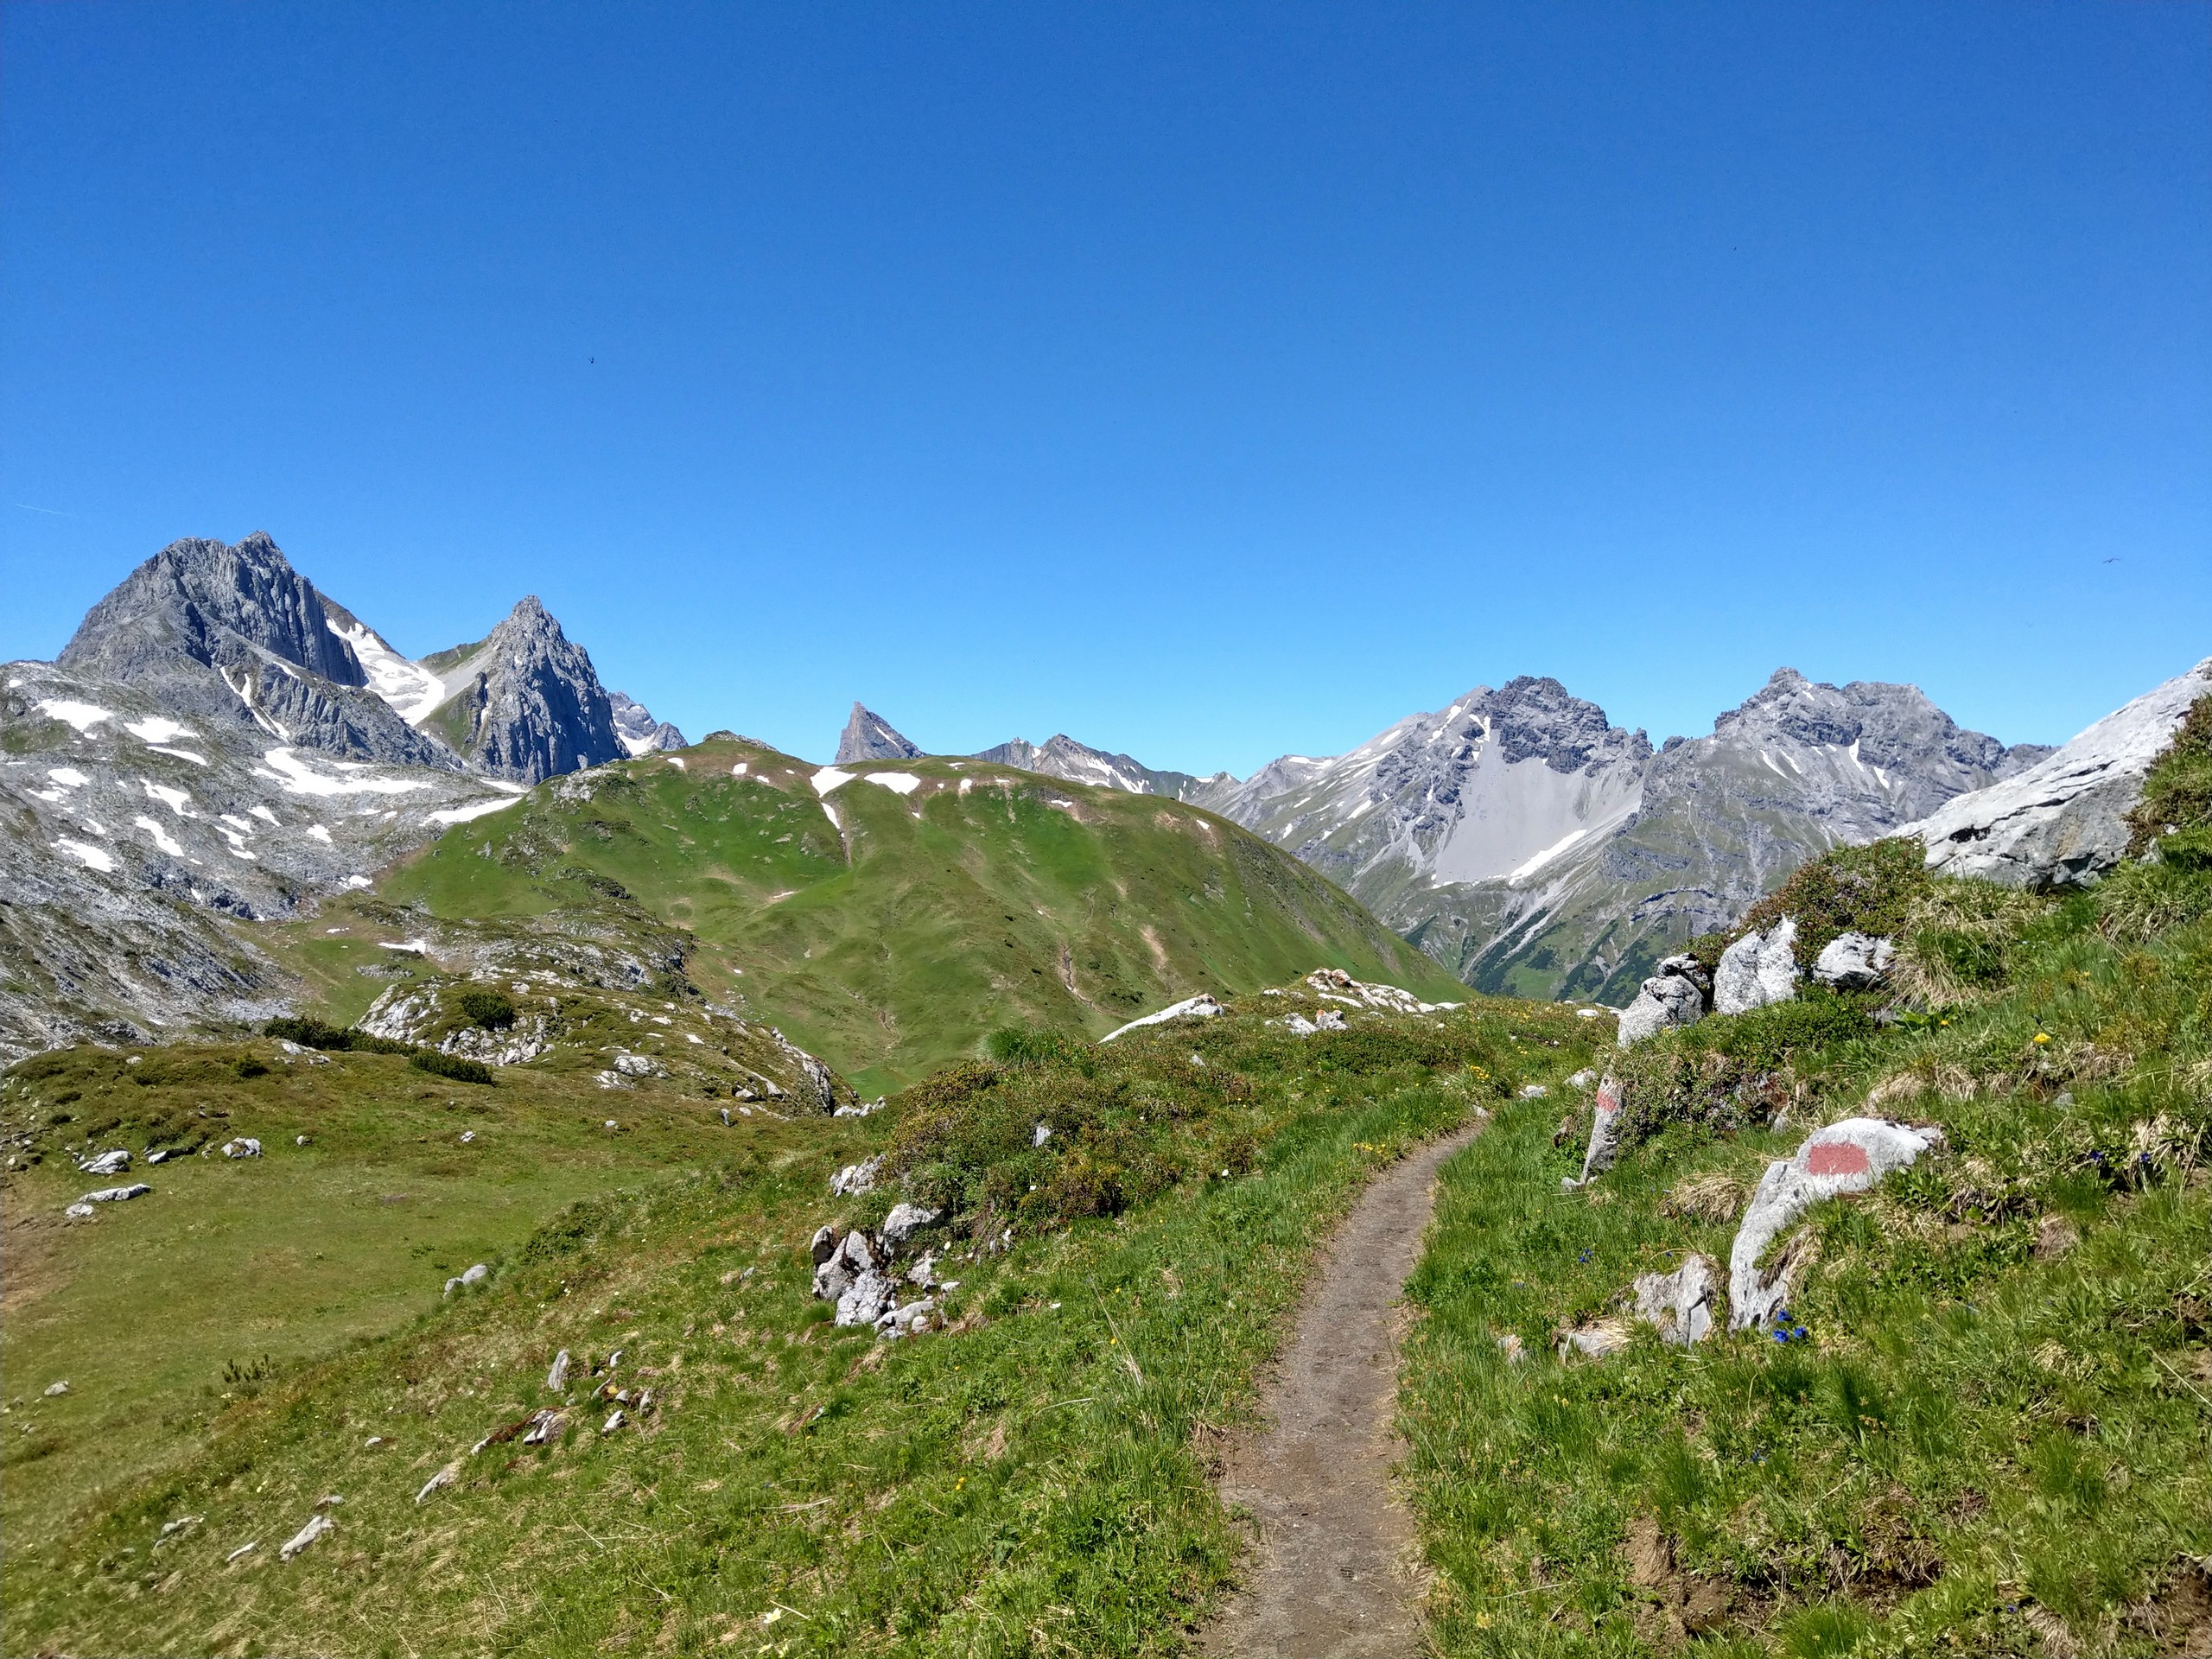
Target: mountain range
<point>1530,846</point>
<point>221,742</point>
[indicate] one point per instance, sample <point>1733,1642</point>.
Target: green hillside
<point>887,929</point>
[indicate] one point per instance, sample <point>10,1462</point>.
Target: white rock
<point>853,1180</point>
<point>614,1421</point>
<point>108,1163</point>
<point>1203,1006</point>
<point>244,1146</point>
<point>1757,970</point>
<point>1680,1305</point>
<point>904,1221</point>
<point>909,1320</point>
<point>1329,1020</point>
<point>1040,1135</point>
<point>468,1280</point>
<point>1594,1340</point>
<point>439,1482</point>
<point>117,1194</point>
<point>164,1155</point>
<point>557,1378</point>
<point>1672,996</point>
<point>1854,962</point>
<point>243,1549</point>
<point>79,1208</point>
<point>1296,1024</point>
<point>1533,1091</point>
<point>1846,1157</point>
<point>1583,1079</point>
<point>2062,821</point>
<point>54,1390</point>
<point>316,1526</point>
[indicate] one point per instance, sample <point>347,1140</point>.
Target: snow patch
<point>169,796</point>
<point>155,728</point>
<point>161,837</point>
<point>320,833</point>
<point>411,690</point>
<point>96,858</point>
<point>67,777</point>
<point>473,809</point>
<point>829,779</point>
<point>1531,866</point>
<point>266,816</point>
<point>300,779</point>
<point>82,715</point>
<point>903,782</point>
<point>181,754</point>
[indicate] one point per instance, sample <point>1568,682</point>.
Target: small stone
<point>243,1549</point>
<point>244,1146</point>
<point>108,1163</point>
<point>1510,1345</point>
<point>1040,1135</point>
<point>117,1194</point>
<point>79,1209</point>
<point>1596,1339</point>
<point>467,1136</point>
<point>53,1390</point>
<point>372,1442</point>
<point>557,1378</point>
<point>170,1528</point>
<point>439,1482</point>
<point>1583,1079</point>
<point>1680,1305</point>
<point>823,1244</point>
<point>299,1141</point>
<point>904,1221</point>
<point>1854,962</point>
<point>614,1421</point>
<point>316,1526</point>
<point>1533,1091</point>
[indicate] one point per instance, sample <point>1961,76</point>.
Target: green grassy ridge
<point>891,939</point>
<point>1979,1448</point>
<point>1036,1478</point>
<point>286,1257</point>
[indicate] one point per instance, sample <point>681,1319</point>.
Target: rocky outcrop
<point>1681,1305</point>
<point>1853,961</point>
<point>1203,1006</point>
<point>526,704</point>
<point>869,736</point>
<point>1675,995</point>
<point>234,636</point>
<point>1757,970</point>
<point>2062,822</point>
<point>640,734</point>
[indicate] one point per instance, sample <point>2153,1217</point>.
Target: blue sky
<point>1206,381</point>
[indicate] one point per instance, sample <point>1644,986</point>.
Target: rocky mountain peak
<point>635,725</point>
<point>527,704</point>
<point>869,736</point>
<point>1533,718</point>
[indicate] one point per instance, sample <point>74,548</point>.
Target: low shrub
<point>310,1034</point>
<point>487,1006</point>
<point>1870,889</point>
<point>2178,792</point>
<point>450,1066</point>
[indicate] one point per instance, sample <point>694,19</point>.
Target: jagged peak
<point>869,736</point>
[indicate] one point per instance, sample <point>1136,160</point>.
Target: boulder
<point>244,1146</point>
<point>1675,995</point>
<point>904,1221</point>
<point>1681,1305</point>
<point>557,1378</point>
<point>853,1180</point>
<point>1854,962</point>
<point>1757,970</point>
<point>55,1390</point>
<point>108,1163</point>
<point>468,1280</point>
<point>1329,1020</point>
<point>909,1320</point>
<point>824,1242</point>
<point>117,1194</point>
<point>1846,1157</point>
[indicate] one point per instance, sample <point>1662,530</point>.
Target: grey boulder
<point>1681,1305</point>
<point>1854,962</point>
<point>1758,971</point>
<point>1675,995</point>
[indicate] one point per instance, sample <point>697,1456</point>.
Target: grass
<point>1035,1478</point>
<point>891,938</point>
<point>1997,1436</point>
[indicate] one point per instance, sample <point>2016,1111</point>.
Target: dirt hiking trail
<point>1332,1573</point>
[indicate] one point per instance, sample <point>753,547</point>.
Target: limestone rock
<point>904,1221</point>
<point>1203,1006</point>
<point>2062,822</point>
<point>1758,971</point>
<point>117,1194</point>
<point>1846,1157</point>
<point>108,1163</point>
<point>1675,995</point>
<point>243,1147</point>
<point>853,1180</point>
<point>1854,962</point>
<point>469,1279</point>
<point>1592,1339</point>
<point>557,1378</point>
<point>1605,1133</point>
<point>316,1526</point>
<point>1681,1305</point>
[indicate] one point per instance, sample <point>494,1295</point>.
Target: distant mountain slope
<point>890,916</point>
<point>635,725</point>
<point>234,636</point>
<point>1532,847</point>
<point>869,736</point>
<point>1061,756</point>
<point>524,703</point>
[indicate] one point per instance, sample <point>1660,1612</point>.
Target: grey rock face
<point>527,704</point>
<point>869,736</point>
<point>234,636</point>
<point>1061,756</point>
<point>639,732</point>
<point>2062,821</point>
<point>1854,962</point>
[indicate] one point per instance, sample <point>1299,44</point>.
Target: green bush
<point>2177,793</point>
<point>487,1006</point>
<point>310,1034</point>
<point>450,1066</point>
<point>1869,889</point>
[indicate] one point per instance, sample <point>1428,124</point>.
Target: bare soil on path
<point>1333,1573</point>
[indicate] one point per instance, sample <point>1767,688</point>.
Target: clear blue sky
<point>1207,382</point>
